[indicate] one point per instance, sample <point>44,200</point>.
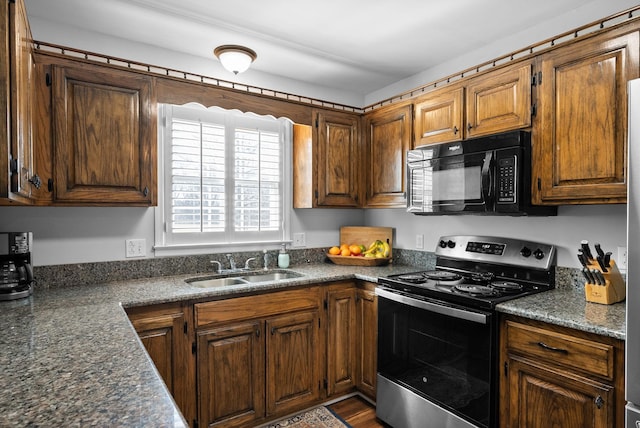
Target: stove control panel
<point>500,250</point>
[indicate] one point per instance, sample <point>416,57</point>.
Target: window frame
<point>199,243</point>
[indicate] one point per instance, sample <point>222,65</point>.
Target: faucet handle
<point>246,264</point>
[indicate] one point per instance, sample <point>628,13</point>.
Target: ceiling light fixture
<point>235,58</point>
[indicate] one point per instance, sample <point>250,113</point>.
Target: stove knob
<point>443,243</point>
<point>538,254</point>
<point>451,244</point>
<point>525,252</point>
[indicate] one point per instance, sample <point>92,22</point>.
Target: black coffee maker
<point>16,273</point>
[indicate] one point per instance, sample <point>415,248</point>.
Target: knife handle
<point>601,264</point>
<point>598,249</point>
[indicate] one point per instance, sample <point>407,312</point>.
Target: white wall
<point>65,235</point>
<point>605,224</point>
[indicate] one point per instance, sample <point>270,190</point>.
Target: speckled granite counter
<point>566,306</point>
<point>70,357</point>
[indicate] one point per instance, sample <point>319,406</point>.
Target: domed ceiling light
<point>234,58</point>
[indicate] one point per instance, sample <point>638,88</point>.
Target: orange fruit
<point>345,252</point>
<point>334,251</point>
<point>355,249</point>
<point>344,246</point>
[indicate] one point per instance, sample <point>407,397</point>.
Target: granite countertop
<point>567,306</point>
<point>70,356</point>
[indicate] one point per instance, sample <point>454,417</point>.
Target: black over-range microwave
<point>486,175</point>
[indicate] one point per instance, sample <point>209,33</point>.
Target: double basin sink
<point>239,278</point>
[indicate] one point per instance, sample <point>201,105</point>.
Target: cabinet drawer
<point>561,349</point>
<point>264,305</point>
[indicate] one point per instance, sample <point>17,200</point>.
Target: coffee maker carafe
<point>16,273</point>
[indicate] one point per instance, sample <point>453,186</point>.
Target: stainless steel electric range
<point>438,331</point>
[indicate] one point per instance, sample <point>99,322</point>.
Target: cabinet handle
<point>273,331</point>
<point>455,130</point>
<point>599,402</point>
<point>469,126</point>
<point>551,348</point>
<point>145,192</point>
<point>35,180</point>
<point>257,332</point>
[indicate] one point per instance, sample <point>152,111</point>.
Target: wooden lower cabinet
<point>231,373</point>
<point>341,338</point>
<point>367,339</point>
<point>559,377</point>
<point>259,357</point>
<point>166,333</point>
<point>293,375</point>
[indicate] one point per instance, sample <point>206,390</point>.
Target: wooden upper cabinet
<point>17,94</point>
<point>338,159</point>
<point>492,103</point>
<point>499,101</point>
<point>580,138</point>
<point>105,139</point>
<point>439,117</point>
<point>388,137</point>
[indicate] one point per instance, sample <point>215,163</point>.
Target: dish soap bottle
<point>283,257</point>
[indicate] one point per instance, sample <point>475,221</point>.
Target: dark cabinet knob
<point>469,127</point>
<point>455,130</point>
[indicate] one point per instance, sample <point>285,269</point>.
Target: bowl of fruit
<point>377,253</point>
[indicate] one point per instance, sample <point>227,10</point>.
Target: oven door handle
<point>464,314</point>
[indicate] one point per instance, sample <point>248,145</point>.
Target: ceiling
<point>352,45</point>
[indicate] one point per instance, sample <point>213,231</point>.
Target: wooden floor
<point>357,412</point>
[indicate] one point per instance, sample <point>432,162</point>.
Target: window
<point>226,177</point>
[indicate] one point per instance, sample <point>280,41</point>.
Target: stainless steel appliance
<point>438,330</point>
<point>16,274</point>
<point>486,175</point>
<point>632,345</point>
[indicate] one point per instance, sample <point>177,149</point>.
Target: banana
<point>386,249</point>
<point>372,248</point>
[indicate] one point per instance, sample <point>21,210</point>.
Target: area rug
<point>319,417</point>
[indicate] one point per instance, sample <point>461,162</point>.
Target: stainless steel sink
<point>250,277</point>
<point>215,282</point>
<point>271,276</point>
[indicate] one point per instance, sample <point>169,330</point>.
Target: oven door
<point>450,184</point>
<point>436,363</point>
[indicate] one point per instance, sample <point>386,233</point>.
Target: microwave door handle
<point>487,177</point>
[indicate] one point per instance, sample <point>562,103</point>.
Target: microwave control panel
<point>507,170</point>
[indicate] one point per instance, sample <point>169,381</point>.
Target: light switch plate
<point>135,247</point>
<point>299,240</point>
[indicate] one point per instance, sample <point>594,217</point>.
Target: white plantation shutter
<point>224,177</point>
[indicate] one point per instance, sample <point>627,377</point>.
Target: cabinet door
<point>367,340</point>
<point>17,94</point>
<point>293,365</point>
<point>388,137</point>
<point>541,397</point>
<point>439,117</point>
<point>499,101</point>
<point>580,140</point>
<point>105,142</point>
<point>231,374</point>
<point>338,158</point>
<point>166,335</point>
<point>341,340</point>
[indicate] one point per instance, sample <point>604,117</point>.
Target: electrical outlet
<point>136,247</point>
<point>419,242</point>
<point>621,261</point>
<point>299,240</point>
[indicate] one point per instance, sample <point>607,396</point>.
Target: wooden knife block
<point>614,289</point>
